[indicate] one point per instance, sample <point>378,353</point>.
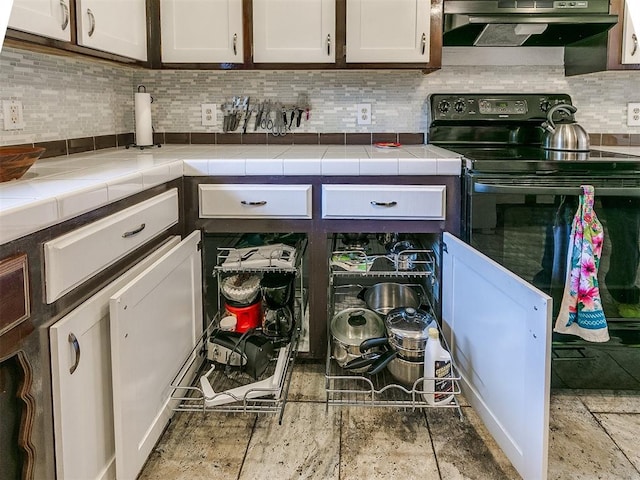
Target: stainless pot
<point>408,331</point>
<point>406,371</point>
<point>564,136</point>
<point>384,297</point>
<point>349,328</point>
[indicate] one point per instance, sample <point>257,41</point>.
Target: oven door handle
<point>553,190</point>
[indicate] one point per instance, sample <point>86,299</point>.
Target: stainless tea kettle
<point>564,136</point>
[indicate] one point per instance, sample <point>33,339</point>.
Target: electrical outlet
<point>12,111</point>
<point>364,113</point>
<point>633,114</point>
<point>209,114</point>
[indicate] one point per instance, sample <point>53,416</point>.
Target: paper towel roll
<point>144,131</point>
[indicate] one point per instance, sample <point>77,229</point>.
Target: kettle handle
<point>570,109</point>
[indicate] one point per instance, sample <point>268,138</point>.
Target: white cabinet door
<point>205,31</point>
<point>114,26</point>
<point>49,18</point>
<point>388,31</point>
<point>81,383</point>
<point>296,31</point>
<point>499,331</point>
<point>155,322</point>
<point>630,47</point>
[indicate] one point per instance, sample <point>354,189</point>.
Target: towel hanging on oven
<point>581,310</point>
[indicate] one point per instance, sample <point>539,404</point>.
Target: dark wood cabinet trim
<point>14,290</point>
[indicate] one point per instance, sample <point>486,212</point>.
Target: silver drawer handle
<point>134,232</point>
<point>383,204</point>
<point>634,37</point>
<point>65,21</point>
<point>76,348</point>
<point>235,43</point>
<point>329,44</point>
<point>92,19</point>
<point>424,43</point>
<point>260,203</point>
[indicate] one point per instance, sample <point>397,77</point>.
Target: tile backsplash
<point>71,97</point>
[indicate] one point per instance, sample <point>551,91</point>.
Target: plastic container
<point>438,383</point>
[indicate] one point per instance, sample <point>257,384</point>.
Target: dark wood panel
<point>15,306</point>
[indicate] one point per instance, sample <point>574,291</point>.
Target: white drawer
<point>404,202</point>
<point>78,255</point>
<point>255,201</point>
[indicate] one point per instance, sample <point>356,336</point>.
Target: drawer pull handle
<point>634,37</point>
<point>383,204</point>
<point>235,44</point>
<point>423,42</point>
<point>260,203</point>
<point>134,232</point>
<point>76,348</point>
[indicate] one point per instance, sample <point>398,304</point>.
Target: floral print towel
<point>581,311</point>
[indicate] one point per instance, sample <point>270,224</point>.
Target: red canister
<point>247,316</point>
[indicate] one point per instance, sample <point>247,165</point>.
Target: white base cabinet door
<point>201,31</point>
<point>156,320</point>
<point>113,26</point>
<point>630,33</point>
<point>499,331</point>
<point>49,18</point>
<point>294,31</point>
<point>389,32</point>
<point>81,383</point>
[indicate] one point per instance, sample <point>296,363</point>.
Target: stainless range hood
<point>541,23</point>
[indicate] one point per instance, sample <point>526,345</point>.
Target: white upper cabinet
<point>114,26</point>
<point>49,18</point>
<point>388,32</point>
<point>630,48</point>
<point>294,31</point>
<point>203,31</point>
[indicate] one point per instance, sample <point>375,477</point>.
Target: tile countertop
<point>59,188</point>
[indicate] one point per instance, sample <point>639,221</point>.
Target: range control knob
<point>459,106</point>
<point>545,105</point>
<point>444,106</point>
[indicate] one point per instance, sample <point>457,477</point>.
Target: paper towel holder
<point>143,89</point>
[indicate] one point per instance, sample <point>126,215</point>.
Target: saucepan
<point>349,328</point>
<point>384,297</point>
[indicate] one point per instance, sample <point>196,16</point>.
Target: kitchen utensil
<point>384,297</point>
<point>242,288</point>
<point>408,330</point>
<point>355,240</point>
<point>349,328</point>
<point>403,255</point>
<point>247,316</point>
<point>15,161</point>
<point>406,371</point>
<point>276,288</point>
<point>564,134</point>
<point>277,322</point>
<point>276,255</point>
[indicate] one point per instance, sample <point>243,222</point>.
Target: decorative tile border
<point>85,144</point>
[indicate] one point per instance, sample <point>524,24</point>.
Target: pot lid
<point>407,322</point>
<point>353,325</point>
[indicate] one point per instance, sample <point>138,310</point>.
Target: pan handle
<point>364,360</point>
<point>369,343</point>
<point>382,362</point>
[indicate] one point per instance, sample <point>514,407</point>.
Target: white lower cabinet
<point>113,360</point>
<point>82,393</point>
<point>499,330</point>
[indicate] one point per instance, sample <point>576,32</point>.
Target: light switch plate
<point>633,114</point>
<point>209,117</point>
